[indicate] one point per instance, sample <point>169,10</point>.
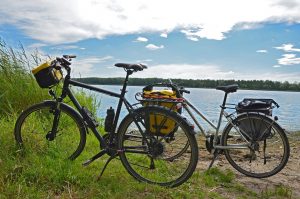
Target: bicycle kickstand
<point>107,162</point>
<point>216,154</point>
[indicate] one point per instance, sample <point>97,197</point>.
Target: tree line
<point>203,83</point>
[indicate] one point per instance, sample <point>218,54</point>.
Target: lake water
<point>208,102</point>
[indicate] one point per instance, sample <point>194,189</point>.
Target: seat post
<point>129,72</point>
<point>224,101</point>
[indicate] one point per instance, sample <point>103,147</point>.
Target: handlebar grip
<point>63,61</point>
<point>143,66</point>
<point>277,105</point>
<point>69,56</point>
<point>185,91</point>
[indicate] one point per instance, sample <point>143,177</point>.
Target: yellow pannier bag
<point>165,98</point>
<point>46,75</point>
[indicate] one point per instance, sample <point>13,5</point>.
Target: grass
<point>18,88</point>
<point>45,174</point>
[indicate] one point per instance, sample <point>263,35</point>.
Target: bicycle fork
<point>52,134</point>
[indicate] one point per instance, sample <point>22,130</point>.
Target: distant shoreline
<point>264,85</point>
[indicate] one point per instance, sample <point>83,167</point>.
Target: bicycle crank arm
<point>95,157</point>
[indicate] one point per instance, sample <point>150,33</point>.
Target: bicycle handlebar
<point>183,90</point>
<point>64,61</point>
<point>69,56</point>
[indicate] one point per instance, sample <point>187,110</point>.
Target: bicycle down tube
<point>68,92</point>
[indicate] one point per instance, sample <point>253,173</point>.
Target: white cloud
<point>154,47</point>
<point>193,38</point>
<point>262,51</point>
<point>276,66</point>
<point>289,59</point>
<point>189,71</point>
<point>144,60</point>
<point>288,48</point>
<point>37,45</point>
<point>278,76</point>
<point>141,39</point>
<point>209,33</point>
<point>84,67</point>
<point>248,25</point>
<point>164,35</point>
<point>67,47</point>
<point>57,22</point>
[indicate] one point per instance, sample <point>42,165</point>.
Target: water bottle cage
<point>89,118</point>
<point>109,120</point>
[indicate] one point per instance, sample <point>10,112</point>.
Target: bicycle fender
<point>70,109</point>
<point>246,114</point>
<point>175,114</point>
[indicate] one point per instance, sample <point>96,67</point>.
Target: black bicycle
<point>141,142</point>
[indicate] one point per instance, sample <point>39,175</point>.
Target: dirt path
<point>289,176</point>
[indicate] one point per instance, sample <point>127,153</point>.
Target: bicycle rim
<point>164,159</point>
<point>267,156</point>
<point>36,122</point>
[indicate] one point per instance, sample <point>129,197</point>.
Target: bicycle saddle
<point>228,89</point>
<point>135,67</point>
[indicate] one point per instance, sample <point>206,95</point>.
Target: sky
<point>190,39</point>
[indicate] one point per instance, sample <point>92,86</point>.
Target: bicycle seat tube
<point>121,100</point>
<point>220,119</point>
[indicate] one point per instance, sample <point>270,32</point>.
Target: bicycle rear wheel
<point>269,147</point>
<point>36,122</point>
<point>163,159</point>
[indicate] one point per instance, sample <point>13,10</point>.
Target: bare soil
<point>288,177</point>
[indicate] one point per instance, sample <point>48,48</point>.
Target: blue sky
<point>191,39</point>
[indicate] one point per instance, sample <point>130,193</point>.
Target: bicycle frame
<point>188,106</point>
<point>67,92</point>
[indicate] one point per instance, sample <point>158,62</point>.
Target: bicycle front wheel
<point>268,150</point>
<point>151,154</point>
<point>36,122</point>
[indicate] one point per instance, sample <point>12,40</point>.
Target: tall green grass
<point>18,88</point>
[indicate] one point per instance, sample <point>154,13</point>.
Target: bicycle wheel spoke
<point>36,123</point>
<point>269,148</point>
<point>169,159</point>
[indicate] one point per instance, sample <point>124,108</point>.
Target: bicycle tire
<point>158,161</point>
<point>35,122</point>
<point>257,163</point>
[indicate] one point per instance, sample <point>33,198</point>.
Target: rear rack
<point>139,97</point>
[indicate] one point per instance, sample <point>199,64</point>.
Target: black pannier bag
<point>256,105</point>
<point>255,129</point>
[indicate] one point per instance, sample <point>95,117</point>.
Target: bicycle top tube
<point>190,107</point>
<point>65,62</point>
<point>93,88</point>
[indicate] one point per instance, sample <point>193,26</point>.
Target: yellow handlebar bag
<point>46,75</point>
